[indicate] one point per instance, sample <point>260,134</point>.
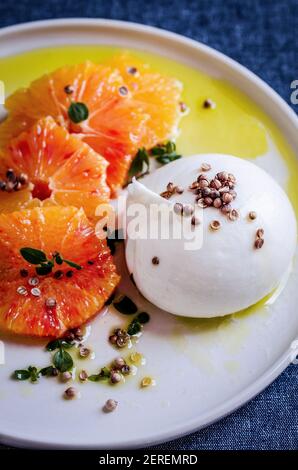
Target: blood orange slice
<point>57,168</point>
<point>158,96</point>
<point>54,304</point>
<point>125,111</point>
<point>112,127</point>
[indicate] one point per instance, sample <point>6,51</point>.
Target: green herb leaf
<point>33,373</point>
<point>59,343</point>
<point>52,345</point>
<point>58,258</point>
<point>143,318</point>
<point>104,374</point>
<point>125,305</point>
<point>134,327</point>
<point>62,360</point>
<point>72,264</point>
<point>165,153</point>
<point>33,256</point>
<point>137,166</point>
<point>47,371</point>
<point>94,378</point>
<point>45,268</point>
<point>21,374</point>
<point>78,112</point>
<point>26,374</point>
<point>165,159</point>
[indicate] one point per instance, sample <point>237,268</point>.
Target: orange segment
<point>126,111</point>
<point>78,298</point>
<point>113,126</point>
<point>55,162</point>
<point>156,95</point>
<point>15,201</point>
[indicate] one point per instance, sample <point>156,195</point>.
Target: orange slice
<point>112,128</point>
<point>158,97</point>
<point>77,298</point>
<point>126,111</point>
<point>60,170</point>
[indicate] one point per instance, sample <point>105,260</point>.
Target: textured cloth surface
<point>260,35</point>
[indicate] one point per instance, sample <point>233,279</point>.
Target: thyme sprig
<point>43,264</point>
<point>163,154</point>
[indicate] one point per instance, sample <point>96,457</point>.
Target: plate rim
<point>286,358</point>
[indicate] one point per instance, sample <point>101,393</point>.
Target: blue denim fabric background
<point>262,35</point>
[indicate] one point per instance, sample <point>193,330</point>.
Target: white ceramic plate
<point>204,370</point>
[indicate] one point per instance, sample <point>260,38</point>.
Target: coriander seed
<point>233,215</point>
<point>70,393</point>
<point>217,203</point>
<point>84,352</point>
<point>23,178</point>
<point>68,89</point>
<point>215,225</point>
<point>132,70</point>
<point>113,339</point>
<point>83,376</point>
<point>170,186</point>
<point>226,209</point>
<point>222,176</point>
<point>205,167</point>
<point>110,405</point>
<point>121,341</point>
<point>125,370</point>
<point>252,215</point>
<point>33,281</point>
<point>202,203</point>
<point>260,233</point>
<point>66,376</point>
<point>123,91</point>
<point>178,208</point>
<point>227,198</point>
<point>206,192</point>
<point>115,377</point>
<point>22,290</point>
<point>119,362</point>
<point>203,183</point>
<point>259,242</point>
<point>36,292</point>
<point>215,184</point>
<point>208,201</point>
<point>208,103</point>
<point>187,210</point>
